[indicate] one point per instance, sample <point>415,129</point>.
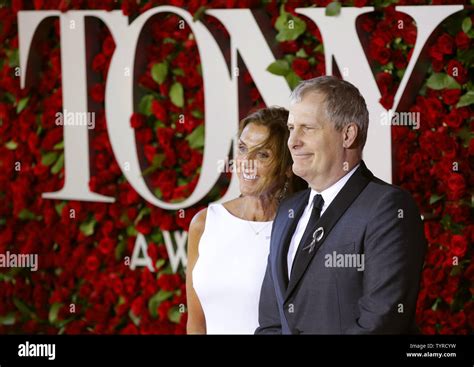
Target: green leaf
<point>156,300</point>
<point>198,114</point>
<point>302,53</point>
<point>53,312</point>
<point>196,138</point>
<point>466,24</point>
<point>157,162</point>
<point>279,67</point>
<point>466,99</point>
<point>143,212</point>
<point>58,165</point>
<point>174,315</point>
<point>289,27</point>
<point>157,237</point>
<point>135,318</point>
<point>178,71</point>
<point>25,214</point>
<point>177,94</point>
<point>87,228</point>
<point>22,104</point>
<point>59,145</point>
<point>13,58</point>
<point>11,145</point>
<point>131,231</point>
<point>159,263</point>
<point>59,207</point>
<point>466,56</point>
<point>144,106</point>
<point>22,307</point>
<point>199,13</point>
<point>438,81</point>
<point>333,9</point>
<point>8,319</point>
<point>158,193</point>
<point>435,198</point>
<point>465,134</point>
<point>49,158</point>
<point>119,249</point>
<point>292,79</point>
<point>159,72</point>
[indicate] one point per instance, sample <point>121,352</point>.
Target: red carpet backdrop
<point>118,267</point>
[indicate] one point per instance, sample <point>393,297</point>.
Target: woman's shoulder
<point>198,222</point>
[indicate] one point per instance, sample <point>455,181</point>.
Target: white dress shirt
<point>328,196</point>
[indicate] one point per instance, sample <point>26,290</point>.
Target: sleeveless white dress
<point>228,274</point>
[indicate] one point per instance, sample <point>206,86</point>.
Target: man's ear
<point>349,136</point>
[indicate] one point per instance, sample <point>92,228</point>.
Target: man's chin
<point>299,171</point>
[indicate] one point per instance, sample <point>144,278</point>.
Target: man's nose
<point>294,140</point>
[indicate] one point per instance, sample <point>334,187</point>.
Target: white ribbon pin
<point>317,236</point>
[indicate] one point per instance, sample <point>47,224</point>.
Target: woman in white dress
<point>228,244</point>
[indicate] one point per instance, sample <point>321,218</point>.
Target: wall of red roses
<point>83,284</point>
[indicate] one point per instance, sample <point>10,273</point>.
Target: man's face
<point>315,145</point>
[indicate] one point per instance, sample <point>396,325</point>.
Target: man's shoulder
<point>295,198</point>
<point>379,192</point>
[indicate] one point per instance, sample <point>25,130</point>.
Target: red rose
<point>453,119</point>
<point>446,44</point>
<point>106,246</point>
<point>144,226</point>
<point>435,53</point>
<point>169,282</point>
<point>456,186</point>
<point>384,82</point>
<point>150,152</point>
<point>137,120</point>
<point>108,46</point>
<point>437,66</point>
<point>99,62</point>
<point>289,47</point>
<point>458,245</point>
<point>451,96</point>
<point>400,61</point>
<point>138,306</point>
<point>462,40</point>
<point>457,320</point>
<point>92,263</point>
<point>360,3</point>
<point>383,55</point>
<point>165,136</point>
<point>97,93</point>
<point>300,66</point>
<point>159,111</point>
<point>457,71</point>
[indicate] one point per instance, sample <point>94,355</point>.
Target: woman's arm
<point>196,320</point>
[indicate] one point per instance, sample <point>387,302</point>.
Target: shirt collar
<point>331,192</point>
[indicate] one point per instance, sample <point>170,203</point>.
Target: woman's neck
<point>258,208</point>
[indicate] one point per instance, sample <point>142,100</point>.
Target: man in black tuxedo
<point>346,255</point>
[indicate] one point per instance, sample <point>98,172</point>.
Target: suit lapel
<point>328,220</point>
<point>297,206</point>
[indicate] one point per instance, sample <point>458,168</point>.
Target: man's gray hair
<point>344,103</point>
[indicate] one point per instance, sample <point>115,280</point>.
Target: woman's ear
<point>288,172</point>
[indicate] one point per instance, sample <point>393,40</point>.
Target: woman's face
<point>254,165</point>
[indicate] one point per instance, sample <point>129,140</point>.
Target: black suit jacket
<point>368,217</point>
